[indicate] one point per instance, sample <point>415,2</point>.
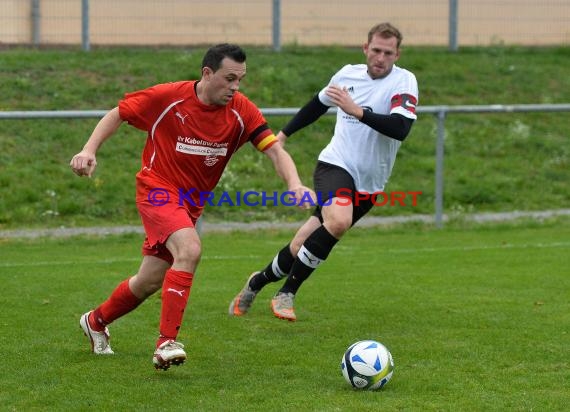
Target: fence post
<point>85,25</point>
<point>439,146</point>
<point>453,25</point>
<point>36,20</point>
<point>277,25</point>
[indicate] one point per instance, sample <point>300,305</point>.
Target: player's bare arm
<point>287,170</point>
<point>85,162</point>
<point>282,137</point>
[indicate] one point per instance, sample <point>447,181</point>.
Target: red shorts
<point>161,219</point>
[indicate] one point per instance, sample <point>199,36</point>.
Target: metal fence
<point>278,22</point>
<point>440,112</point>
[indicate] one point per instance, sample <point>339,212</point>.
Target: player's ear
<point>397,55</point>
<point>207,72</point>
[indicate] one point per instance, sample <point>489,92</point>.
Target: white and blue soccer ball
<point>367,364</point>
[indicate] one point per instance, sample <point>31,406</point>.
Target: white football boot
<point>99,340</point>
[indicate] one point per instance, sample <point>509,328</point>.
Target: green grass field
<point>477,319</point>
<point>477,316</point>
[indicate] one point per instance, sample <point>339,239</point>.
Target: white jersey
<point>362,151</point>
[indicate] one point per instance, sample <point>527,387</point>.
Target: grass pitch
<point>476,319</point>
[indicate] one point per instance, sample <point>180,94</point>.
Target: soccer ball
<point>367,364</point>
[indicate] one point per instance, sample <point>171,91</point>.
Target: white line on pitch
<point>108,261</point>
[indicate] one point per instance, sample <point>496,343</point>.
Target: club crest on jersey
<point>211,160</point>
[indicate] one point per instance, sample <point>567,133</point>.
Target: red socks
<point>175,293</point>
<point>121,302</point>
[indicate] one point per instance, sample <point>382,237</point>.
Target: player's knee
<point>338,226</point>
<point>189,254</point>
<point>295,246</point>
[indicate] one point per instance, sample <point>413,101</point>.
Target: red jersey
<point>190,143</point>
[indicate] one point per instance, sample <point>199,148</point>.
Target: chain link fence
<point>281,22</point>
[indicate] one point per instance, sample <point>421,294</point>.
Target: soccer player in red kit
<point>193,128</point>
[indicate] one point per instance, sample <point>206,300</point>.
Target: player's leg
<point>275,270</point>
<point>185,247</point>
<point>171,233</point>
<point>150,276</point>
<point>315,249</point>
<point>125,297</point>
<point>336,216</point>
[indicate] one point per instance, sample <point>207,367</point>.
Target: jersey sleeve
<point>141,108</point>
<point>334,80</point>
<point>405,99</point>
<point>256,128</point>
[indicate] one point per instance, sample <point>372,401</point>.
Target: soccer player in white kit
<point>376,105</point>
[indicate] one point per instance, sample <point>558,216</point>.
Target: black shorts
<point>333,181</point>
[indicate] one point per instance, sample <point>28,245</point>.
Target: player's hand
<point>83,164</point>
<point>281,137</point>
<point>341,98</point>
<point>305,198</point>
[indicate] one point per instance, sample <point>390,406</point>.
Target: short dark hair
<point>385,30</point>
<point>215,54</point>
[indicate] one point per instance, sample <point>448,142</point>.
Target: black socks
<point>297,269</point>
<point>276,270</point>
<point>314,251</point>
